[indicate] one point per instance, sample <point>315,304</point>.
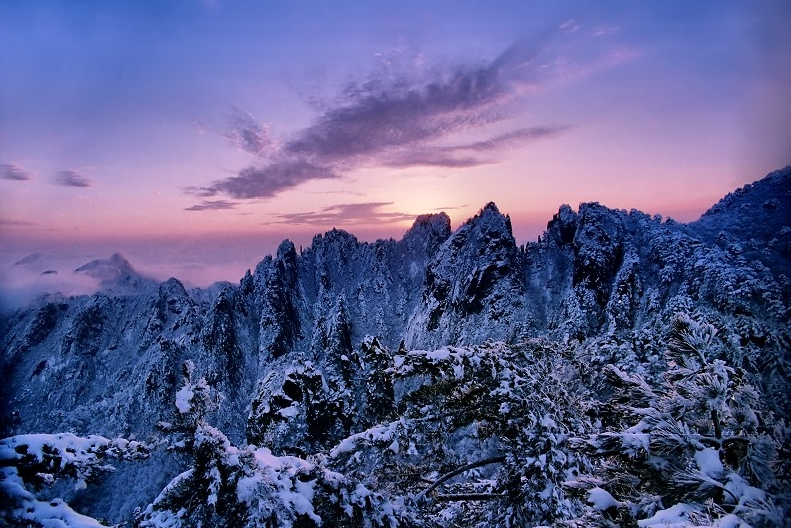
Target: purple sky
<point>193,136</point>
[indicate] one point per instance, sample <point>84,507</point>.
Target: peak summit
<point>491,206</point>
<point>758,211</point>
<point>115,274</point>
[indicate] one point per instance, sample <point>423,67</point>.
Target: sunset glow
<point>193,136</point>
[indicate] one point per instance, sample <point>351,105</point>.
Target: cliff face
<point>298,348</point>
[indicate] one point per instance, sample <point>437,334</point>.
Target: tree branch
<point>717,428</point>
<point>469,497</point>
<point>447,476</point>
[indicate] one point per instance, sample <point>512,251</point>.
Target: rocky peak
<point>173,289</point>
<point>428,231</point>
<point>173,298</point>
<point>770,194</point>
<point>335,244</point>
<point>759,210</point>
<point>116,275</point>
<point>563,225</point>
<point>286,250</point>
<point>598,248</point>
<point>472,274</point>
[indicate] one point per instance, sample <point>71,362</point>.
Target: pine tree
<point>696,446</point>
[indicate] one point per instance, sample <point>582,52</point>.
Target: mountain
<point>116,275</point>
<point>30,259</point>
<point>315,349</point>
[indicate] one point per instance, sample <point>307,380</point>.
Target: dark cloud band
<point>15,223</point>
<point>9,171</point>
<point>70,178</point>
<point>212,205</point>
<point>266,181</point>
<point>368,213</point>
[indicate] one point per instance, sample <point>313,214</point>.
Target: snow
<point>68,446</point>
<point>173,484</point>
<point>709,463</point>
<point>601,499</point>
<point>278,482</point>
<point>301,498</point>
<point>378,434</point>
<point>27,509</point>
<point>56,513</point>
<point>290,411</point>
<point>548,422</point>
<point>361,492</point>
<point>677,516</point>
<point>183,399</point>
<point>438,355</point>
<point>742,489</point>
<point>729,521</point>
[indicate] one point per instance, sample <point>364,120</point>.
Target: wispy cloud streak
<point>9,171</point>
<point>342,214</point>
<point>469,155</point>
<point>15,223</point>
<point>246,133</point>
<point>398,122</point>
<point>212,205</point>
<point>70,178</point>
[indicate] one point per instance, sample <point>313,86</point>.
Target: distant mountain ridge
<point>598,278</point>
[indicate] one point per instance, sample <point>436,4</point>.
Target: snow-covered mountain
<point>310,348</point>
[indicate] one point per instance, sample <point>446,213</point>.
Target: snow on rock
<point>26,510</point>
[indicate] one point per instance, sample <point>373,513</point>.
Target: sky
<point>193,136</point>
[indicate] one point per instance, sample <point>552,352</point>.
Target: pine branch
<point>451,497</point>
<point>450,475</point>
<point>698,477</point>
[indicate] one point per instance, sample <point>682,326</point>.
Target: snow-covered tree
<point>32,462</point>
<point>250,487</point>
<point>482,436</point>
<point>694,448</point>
